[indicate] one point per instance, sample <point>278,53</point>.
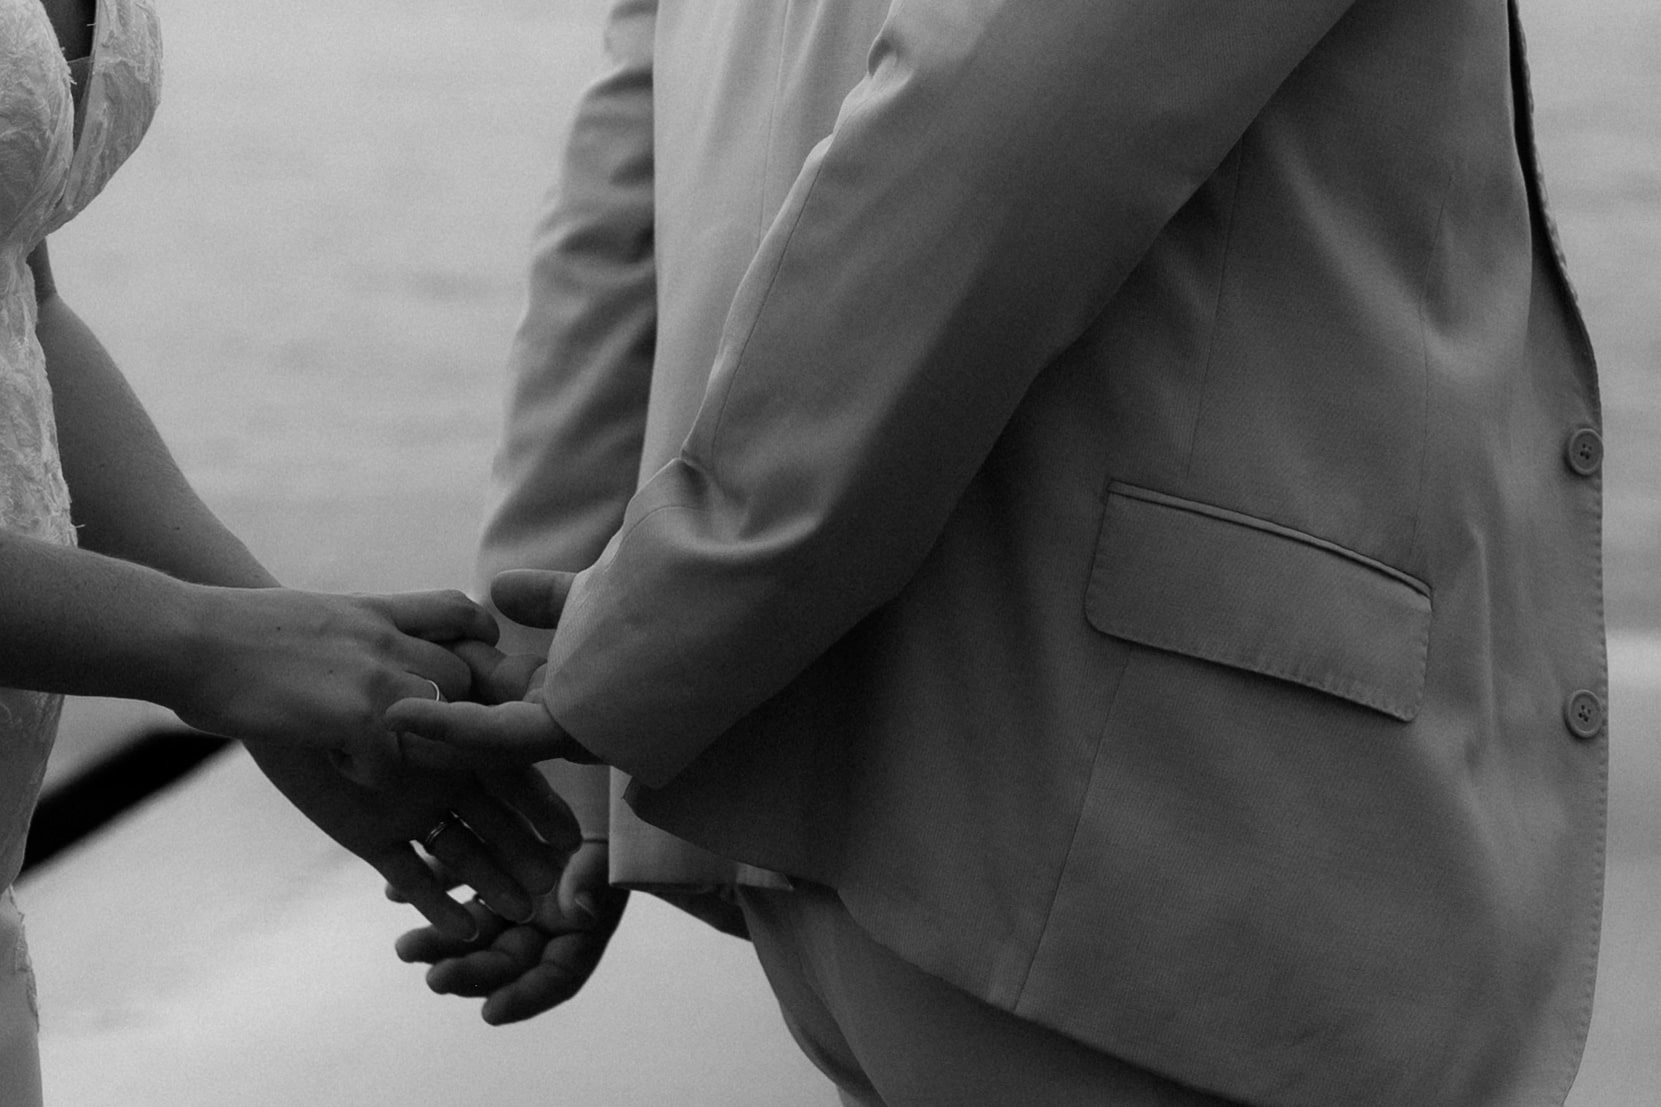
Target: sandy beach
<point>310,272</point>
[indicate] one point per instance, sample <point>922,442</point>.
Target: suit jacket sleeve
<point>581,361</point>
<point>985,191</point>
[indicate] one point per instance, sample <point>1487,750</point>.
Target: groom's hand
<point>532,597</point>
<point>525,969</point>
<point>511,842</point>
<point>450,735</point>
<point>510,723</point>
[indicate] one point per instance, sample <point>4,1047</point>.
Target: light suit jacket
<point>1122,509</point>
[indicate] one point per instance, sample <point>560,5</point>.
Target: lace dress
<point>48,173</point>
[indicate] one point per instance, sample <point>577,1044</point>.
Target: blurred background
<point>310,273</point>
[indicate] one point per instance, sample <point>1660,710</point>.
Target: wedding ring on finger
<point>448,820</point>
<point>438,693</point>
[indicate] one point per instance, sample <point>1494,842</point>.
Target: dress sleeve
<point>986,190</point>
<point>581,360</point>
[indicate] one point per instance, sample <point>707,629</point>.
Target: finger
<point>474,974</point>
<point>439,873</point>
<point>567,962</point>
<point>441,616</point>
<point>534,865</point>
<point>531,597</point>
<point>463,854</point>
<point>429,944</point>
<point>481,660</point>
<point>517,731</point>
<point>586,896</point>
<point>515,952</point>
<point>427,664</point>
<point>416,883</point>
<point>524,789</point>
<point>499,677</point>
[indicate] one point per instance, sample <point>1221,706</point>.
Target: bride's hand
<point>302,668</point>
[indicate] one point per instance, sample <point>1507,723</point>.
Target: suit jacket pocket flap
<point>1225,587</point>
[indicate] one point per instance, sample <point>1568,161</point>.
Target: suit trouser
<point>890,1035</point>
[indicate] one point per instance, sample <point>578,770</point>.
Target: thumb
<point>499,677</point>
<point>515,732</point>
<point>532,597</point>
<point>586,896</point>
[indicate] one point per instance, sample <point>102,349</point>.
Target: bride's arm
<point>130,499</point>
<point>260,664</point>
<point>157,604</point>
<point>163,603</point>
<point>294,669</point>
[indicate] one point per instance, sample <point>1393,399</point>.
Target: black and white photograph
<point>892,553</point>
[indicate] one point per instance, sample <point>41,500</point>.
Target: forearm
<point>80,623</point>
<point>992,182</point>
<point>249,663</point>
<point>179,612</point>
<point>130,499</point>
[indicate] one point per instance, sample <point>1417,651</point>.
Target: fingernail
<point>585,903</point>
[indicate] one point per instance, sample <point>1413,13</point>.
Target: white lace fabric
<point>46,178</point>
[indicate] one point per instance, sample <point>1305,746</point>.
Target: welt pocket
<point>1224,587</point>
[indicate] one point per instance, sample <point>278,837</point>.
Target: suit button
<point>1585,451</point>
<point>1584,713</point>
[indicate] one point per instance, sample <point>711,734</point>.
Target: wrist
<point>199,652</point>
<point>149,648</point>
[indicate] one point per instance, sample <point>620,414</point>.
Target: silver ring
<point>445,822</point>
<point>438,693</point>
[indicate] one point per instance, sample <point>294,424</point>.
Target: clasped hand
<point>521,966</point>
<point>305,680</point>
<point>509,723</point>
